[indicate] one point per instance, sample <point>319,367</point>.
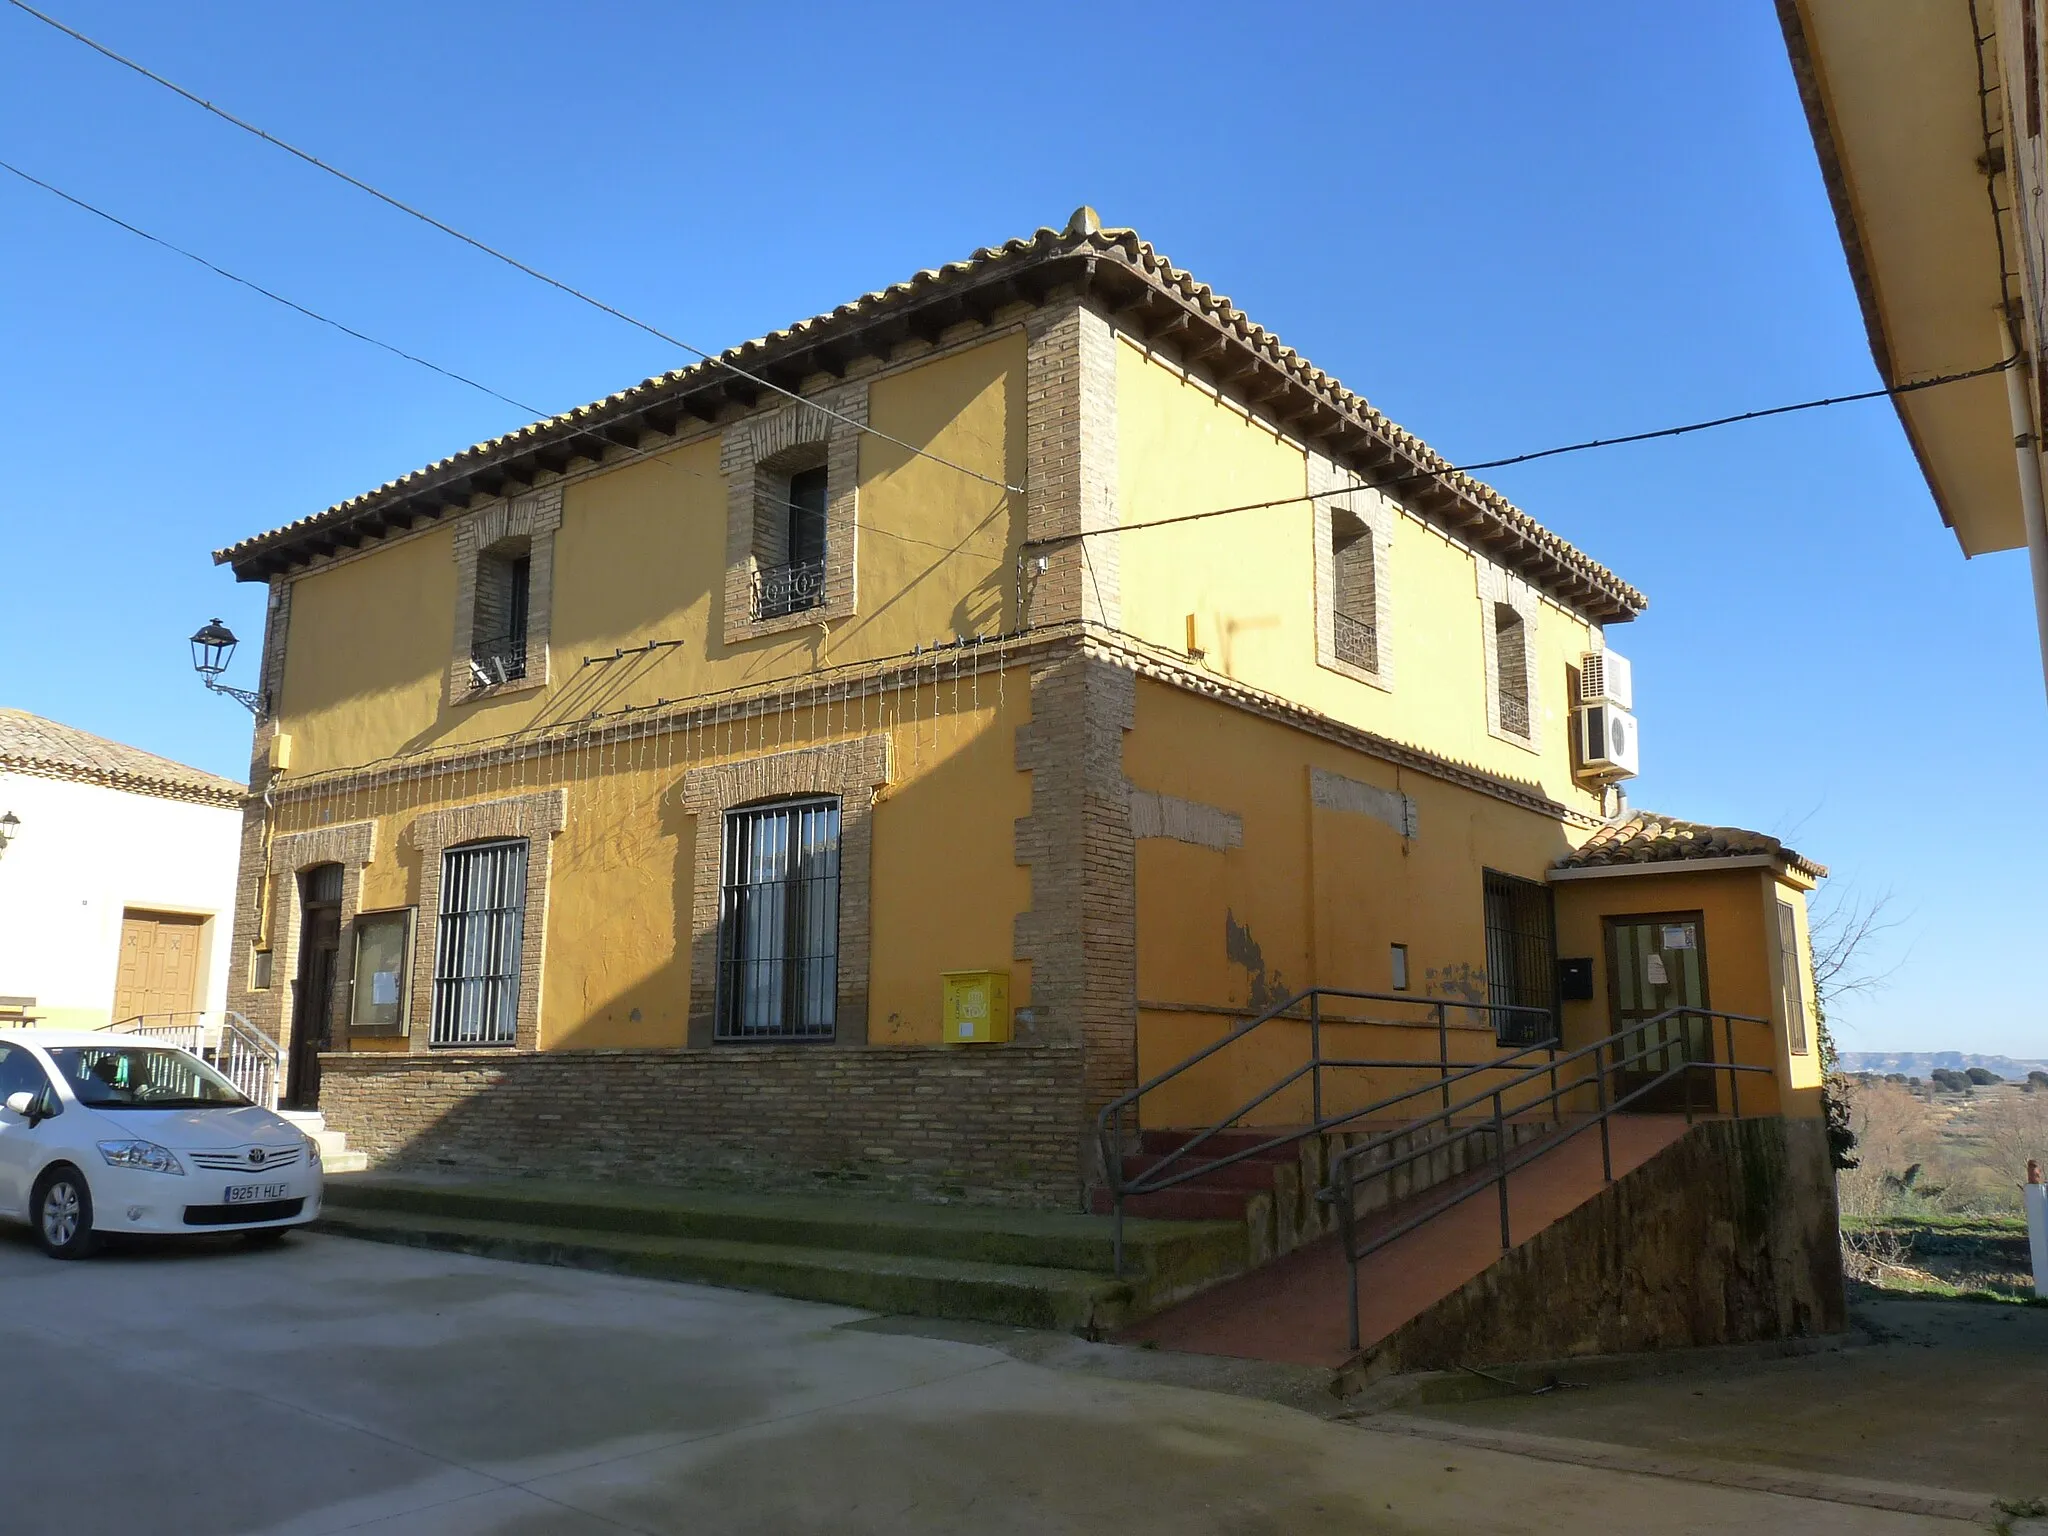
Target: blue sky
<point>1509,226</point>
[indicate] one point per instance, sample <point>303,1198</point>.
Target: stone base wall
<point>998,1125</point>
<point>1728,1236</point>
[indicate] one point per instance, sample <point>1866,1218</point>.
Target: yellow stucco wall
<point>1314,896</point>
<point>640,556</point>
<point>1249,581</point>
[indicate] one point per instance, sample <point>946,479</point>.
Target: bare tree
<point>1893,1140</point>
<point>1840,928</point>
<point>2011,1128</point>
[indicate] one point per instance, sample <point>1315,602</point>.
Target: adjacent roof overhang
<point>1892,94</point>
<point>1113,269</point>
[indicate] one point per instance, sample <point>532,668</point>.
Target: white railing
<point>229,1043</point>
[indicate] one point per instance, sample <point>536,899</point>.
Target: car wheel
<point>267,1237</point>
<point>62,1212</point>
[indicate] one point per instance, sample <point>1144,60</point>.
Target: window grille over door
<point>778,929</point>
<point>1521,957</point>
<point>476,952</point>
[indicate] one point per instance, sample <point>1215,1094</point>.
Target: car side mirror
<point>24,1105</point>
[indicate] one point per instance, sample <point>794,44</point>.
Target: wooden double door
<point>162,955</point>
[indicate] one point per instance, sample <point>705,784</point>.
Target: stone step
<point>1167,1255</point>
<point>1030,1296</point>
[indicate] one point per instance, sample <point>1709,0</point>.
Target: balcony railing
<point>501,659</point>
<point>1514,715</point>
<point>780,590</point>
<point>1358,642</point>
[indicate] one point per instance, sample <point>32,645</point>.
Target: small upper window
<point>796,580</point>
<point>504,583</point>
<point>1512,650</point>
<point>1795,979</point>
<point>1356,598</point>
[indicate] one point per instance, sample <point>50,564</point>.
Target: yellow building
<point>637,787</point>
<point>1928,119</point>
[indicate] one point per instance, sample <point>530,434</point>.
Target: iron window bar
<point>1514,714</point>
<point>1357,641</point>
<point>479,935</point>
<point>499,659</point>
<point>1521,947</point>
<point>778,923</point>
<point>1492,1120</point>
<point>780,590</point>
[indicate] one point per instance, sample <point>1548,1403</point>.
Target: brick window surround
<point>852,770</point>
<point>538,818</point>
<point>351,845</point>
<point>757,456</point>
<point>1502,589</point>
<point>524,526</point>
<point>1364,514</point>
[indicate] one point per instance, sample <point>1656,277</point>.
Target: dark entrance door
<point>313,991</point>
<point>1657,961</point>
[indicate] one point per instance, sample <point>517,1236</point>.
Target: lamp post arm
<point>255,703</point>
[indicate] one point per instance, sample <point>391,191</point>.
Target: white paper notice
<point>2037,1233</point>
<point>383,988</point>
<point>1654,972</point>
<point>1678,936</point>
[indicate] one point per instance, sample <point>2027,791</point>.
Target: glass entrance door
<point>1657,962</point>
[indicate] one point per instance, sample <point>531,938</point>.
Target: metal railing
<point>1488,1115</point>
<point>1357,641</point>
<point>235,1048</point>
<point>780,590</point>
<point>499,659</point>
<point>1173,1169</point>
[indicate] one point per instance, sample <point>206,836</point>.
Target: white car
<point>105,1133</point>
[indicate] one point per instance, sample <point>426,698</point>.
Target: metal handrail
<point>242,1052</point>
<point>1344,1177</point>
<point>1109,1130</point>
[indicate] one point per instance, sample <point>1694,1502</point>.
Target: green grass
<point>1941,1223</point>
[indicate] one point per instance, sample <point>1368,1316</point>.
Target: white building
<point>117,887</point>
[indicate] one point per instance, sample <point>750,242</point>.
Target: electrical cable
<point>1448,470</point>
<point>497,255</point>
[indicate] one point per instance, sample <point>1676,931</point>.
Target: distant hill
<point>1923,1063</point>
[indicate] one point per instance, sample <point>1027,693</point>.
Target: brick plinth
<point>993,1125</point>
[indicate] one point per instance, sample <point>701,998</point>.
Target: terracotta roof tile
<point>993,264</point>
<point>1647,838</point>
<point>30,744</point>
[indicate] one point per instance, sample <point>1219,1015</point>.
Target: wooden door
<point>159,967</point>
<point>1657,961</point>
<point>313,991</point>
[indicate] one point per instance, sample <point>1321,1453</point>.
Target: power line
<point>396,351</point>
<point>494,253</point>
<point>1526,458</point>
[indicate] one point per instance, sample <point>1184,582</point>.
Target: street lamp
<point>9,825</point>
<point>212,648</point>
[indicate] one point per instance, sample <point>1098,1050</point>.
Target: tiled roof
<point>31,744</point>
<point>1125,270</point>
<point>1647,838</point>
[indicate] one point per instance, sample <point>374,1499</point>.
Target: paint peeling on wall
<point>1462,980</point>
<point>1262,990</point>
<point>1334,792</point>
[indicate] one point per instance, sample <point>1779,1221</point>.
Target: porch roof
<point>32,745</point>
<point>1648,838</point>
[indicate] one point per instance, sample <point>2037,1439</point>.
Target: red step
<point>1185,1202</point>
<point>1160,1143</point>
<point>1253,1174</point>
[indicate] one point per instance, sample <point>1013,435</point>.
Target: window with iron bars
<point>799,581</point>
<point>497,652</point>
<point>477,945</point>
<point>1354,619</point>
<point>1521,958</point>
<point>778,922</point>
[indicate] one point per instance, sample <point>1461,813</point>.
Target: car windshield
<point>142,1077</point>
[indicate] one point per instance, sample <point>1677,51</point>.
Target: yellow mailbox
<point>977,1007</point>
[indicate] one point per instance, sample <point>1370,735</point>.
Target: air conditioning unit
<point>1604,679</point>
<point>1607,741</point>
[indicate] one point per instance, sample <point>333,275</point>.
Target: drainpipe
<point>2026,446</point>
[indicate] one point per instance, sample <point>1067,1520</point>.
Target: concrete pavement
<point>332,1385</point>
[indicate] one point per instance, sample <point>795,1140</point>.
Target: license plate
<point>244,1194</point>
